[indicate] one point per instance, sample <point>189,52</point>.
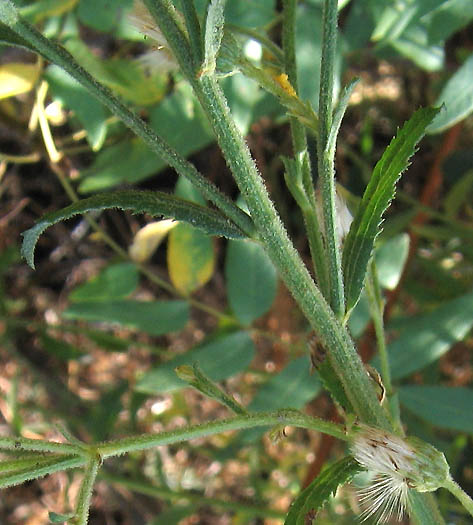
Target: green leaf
<point>415,45</point>
<point>154,203</point>
<point>445,407</point>
<point>308,40</point>
<point>457,97</point>
<point>178,119</point>
<point>190,258</point>
<point>54,517</point>
<point>451,16</point>
<point>459,194</point>
<point>293,387</point>
<point>114,282</point>
<point>214,24</point>
<point>90,113</point>
<point>219,359</point>
<point>395,19</point>
<point>251,280</point>
<point>132,81</point>
<point>107,341</point>
<point>360,316</point>
<point>424,509</point>
<point>60,349</point>
<point>427,337</point>
<point>359,242</point>
<point>104,413</point>
<point>390,259</point>
<point>128,161</point>
<point>305,507</point>
<point>101,15</point>
<point>245,13</point>
<point>152,317</point>
<point>125,77</point>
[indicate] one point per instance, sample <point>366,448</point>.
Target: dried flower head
<point>160,57</point>
<point>397,465</point>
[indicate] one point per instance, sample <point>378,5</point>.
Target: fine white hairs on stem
<point>160,58</point>
<point>396,465</point>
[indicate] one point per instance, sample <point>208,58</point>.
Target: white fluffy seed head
<point>396,465</point>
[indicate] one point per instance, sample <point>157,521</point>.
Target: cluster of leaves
<point>414,30</point>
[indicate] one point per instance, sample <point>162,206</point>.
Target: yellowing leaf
<point>17,78</point>
<point>46,8</point>
<point>190,258</point>
<point>148,239</point>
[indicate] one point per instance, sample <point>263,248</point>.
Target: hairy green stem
<point>286,259</point>
<point>299,142</point>
<point>280,417</point>
<point>193,28</point>
<point>86,489</point>
<point>454,488</point>
<point>325,157</point>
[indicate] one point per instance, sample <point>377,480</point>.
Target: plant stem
<point>280,417</point>
<point>193,28</point>
<point>86,489</point>
<point>335,338</point>
<point>325,157</point>
<point>299,142</point>
<point>20,444</point>
<point>452,486</point>
<point>197,499</point>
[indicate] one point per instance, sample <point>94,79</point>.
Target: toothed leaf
<point>380,191</point>
<point>153,203</point>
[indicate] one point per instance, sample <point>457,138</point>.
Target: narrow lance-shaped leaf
<point>304,509</point>
<point>154,203</point>
<point>360,240</point>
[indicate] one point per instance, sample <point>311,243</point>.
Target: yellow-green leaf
<point>190,258</point>
<point>148,238</point>
<point>17,78</point>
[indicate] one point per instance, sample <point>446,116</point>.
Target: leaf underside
<point>153,203</point>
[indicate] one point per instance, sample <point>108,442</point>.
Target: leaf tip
<point>28,246</point>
